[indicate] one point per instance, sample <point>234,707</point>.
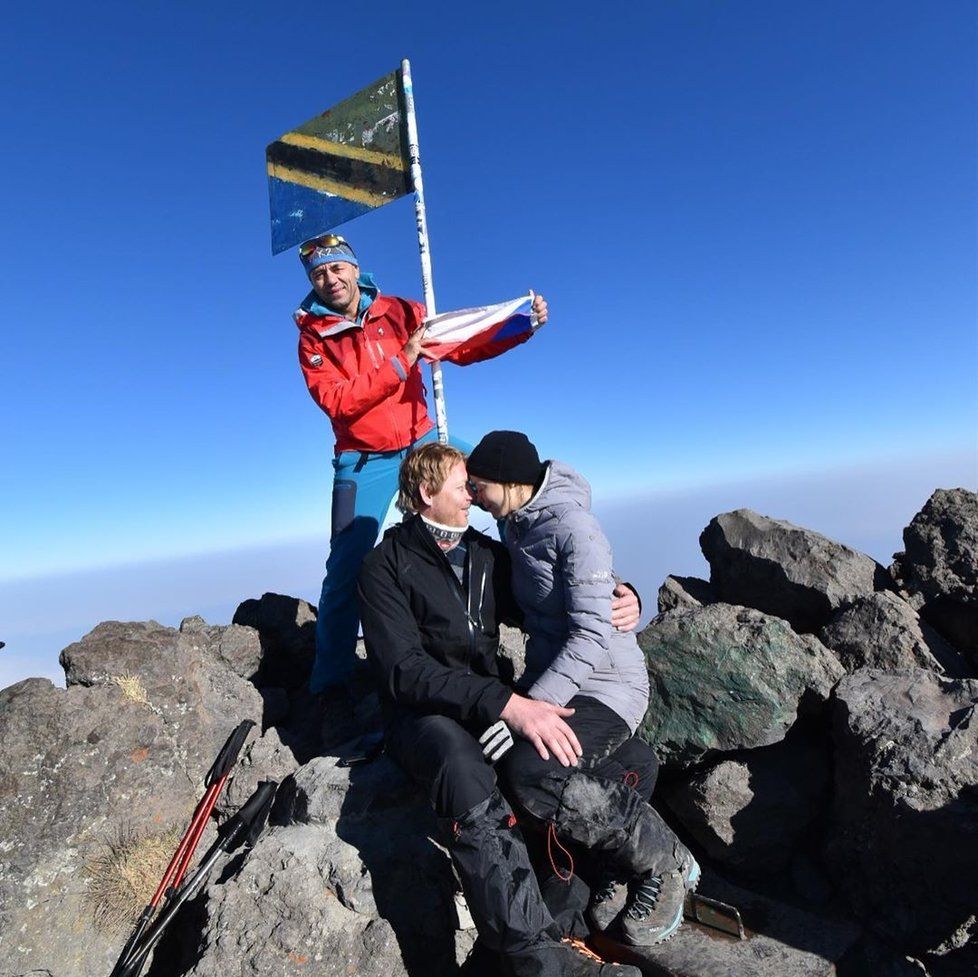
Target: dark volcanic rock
<point>287,629</point>
<point>121,753</point>
<point>352,884</point>
<point>239,646</point>
<point>941,555</point>
<point>884,631</point>
<point>750,813</point>
<point>282,915</point>
<point>904,837</point>
<point>939,566</point>
<point>684,593</point>
<point>785,570</point>
<point>728,678</point>
<point>783,942</point>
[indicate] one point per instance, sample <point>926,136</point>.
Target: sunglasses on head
<point>326,241</point>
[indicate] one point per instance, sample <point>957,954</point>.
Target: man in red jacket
<point>359,351</point>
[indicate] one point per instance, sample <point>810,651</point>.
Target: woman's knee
<point>533,783</point>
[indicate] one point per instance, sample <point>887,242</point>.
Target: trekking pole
<point>214,781</point>
<point>243,827</point>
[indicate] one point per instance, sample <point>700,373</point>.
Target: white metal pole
<point>414,153</point>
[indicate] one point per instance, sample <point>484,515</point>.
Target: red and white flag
<point>482,328</point>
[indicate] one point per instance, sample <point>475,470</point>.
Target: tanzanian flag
<point>350,159</point>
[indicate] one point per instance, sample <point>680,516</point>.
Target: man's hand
<point>543,725</point>
<point>625,608</point>
<point>412,348</point>
<point>539,308</point>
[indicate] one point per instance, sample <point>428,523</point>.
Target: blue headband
<point>325,256</point>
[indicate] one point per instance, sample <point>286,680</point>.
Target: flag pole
<point>414,154</point>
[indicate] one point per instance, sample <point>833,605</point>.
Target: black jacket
<point>435,652</point>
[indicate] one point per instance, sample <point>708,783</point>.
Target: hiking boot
<point>655,908</point>
<point>608,899</point>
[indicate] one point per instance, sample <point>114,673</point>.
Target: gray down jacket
<point>563,581</point>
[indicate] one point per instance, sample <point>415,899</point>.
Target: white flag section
<point>480,332</point>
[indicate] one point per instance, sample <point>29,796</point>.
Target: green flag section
<point>350,159</point>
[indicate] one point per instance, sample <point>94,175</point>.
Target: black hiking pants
<point>444,757</point>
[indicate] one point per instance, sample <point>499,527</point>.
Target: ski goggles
<point>325,241</point>
<point>324,250</point>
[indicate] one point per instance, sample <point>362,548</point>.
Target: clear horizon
<point>877,502</point>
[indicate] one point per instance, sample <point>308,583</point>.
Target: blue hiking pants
<point>364,484</point>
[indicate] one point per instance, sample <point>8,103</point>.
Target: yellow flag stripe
<point>334,187</point>
<point>342,149</point>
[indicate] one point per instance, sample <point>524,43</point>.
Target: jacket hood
<point>312,304</point>
<point>561,487</point>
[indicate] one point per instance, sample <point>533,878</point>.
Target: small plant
<point>132,688</point>
<point>123,876</point>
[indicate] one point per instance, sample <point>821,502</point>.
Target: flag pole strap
<point>414,154</point>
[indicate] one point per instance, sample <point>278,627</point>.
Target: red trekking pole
<point>175,871</point>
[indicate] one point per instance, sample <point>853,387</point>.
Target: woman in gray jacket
<point>562,579</point>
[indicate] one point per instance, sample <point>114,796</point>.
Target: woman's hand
<point>543,725</point>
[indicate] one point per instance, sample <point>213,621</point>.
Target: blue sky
<point>754,223</point>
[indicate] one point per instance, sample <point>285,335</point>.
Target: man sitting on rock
<point>432,596</point>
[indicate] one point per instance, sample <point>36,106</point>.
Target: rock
<point>351,884</point>
<point>727,678</point>
<point>684,593</point>
<point>236,645</point>
<point>884,631</point>
<point>287,629</point>
<point>749,814</point>
<point>783,942</point>
<point>957,956</point>
<point>904,833</point>
<point>941,555</point>
<point>940,565</point>
<point>277,705</point>
<point>115,760</point>
<point>281,915</point>
<point>512,648</point>
<point>869,957</point>
<point>320,791</point>
<point>785,570</point>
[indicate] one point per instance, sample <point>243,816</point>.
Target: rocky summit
<point>815,715</point>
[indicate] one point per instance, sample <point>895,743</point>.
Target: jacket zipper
<point>460,594</point>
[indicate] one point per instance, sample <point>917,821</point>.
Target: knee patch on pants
<point>596,812</point>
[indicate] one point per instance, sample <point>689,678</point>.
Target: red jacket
<point>358,374</point>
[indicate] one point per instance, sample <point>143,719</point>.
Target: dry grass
<point>124,875</point>
<point>132,688</point>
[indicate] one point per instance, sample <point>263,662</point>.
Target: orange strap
<point>552,840</point>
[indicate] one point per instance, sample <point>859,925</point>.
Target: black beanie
<point>505,456</point>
